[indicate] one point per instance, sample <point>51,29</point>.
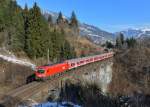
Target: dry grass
<point>81,44</point>
<point>13,74</point>
<point>131,71</point>
<point>4,88</point>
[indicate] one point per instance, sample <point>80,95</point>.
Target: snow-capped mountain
<point>95,34</point>
<point>137,33</point>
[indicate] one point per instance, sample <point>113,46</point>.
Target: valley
<point>55,54</point>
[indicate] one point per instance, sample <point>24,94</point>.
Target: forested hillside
<point>131,67</point>
<point>27,32</point>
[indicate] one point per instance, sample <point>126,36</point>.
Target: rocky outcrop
<point>102,76</point>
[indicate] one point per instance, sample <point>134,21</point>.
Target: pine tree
<point>27,44</point>
<point>109,44</point>
<point>68,51</point>
<point>15,33</point>
<point>60,18</point>
<point>117,42</point>
<point>3,10</point>
<point>131,42</point>
<point>56,45</point>
<point>38,32</point>
<point>50,19</point>
<point>74,21</point>
<point>121,38</point>
<point>74,24</point>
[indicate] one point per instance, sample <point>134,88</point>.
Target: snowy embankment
<point>17,61</point>
<point>13,59</point>
<point>56,104</point>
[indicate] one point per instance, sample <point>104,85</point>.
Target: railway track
<point>22,89</point>
<point>32,88</point>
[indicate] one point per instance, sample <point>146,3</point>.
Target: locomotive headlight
<point>63,67</point>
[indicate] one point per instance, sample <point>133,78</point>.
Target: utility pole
<point>48,56</point>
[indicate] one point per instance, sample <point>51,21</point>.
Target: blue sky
<point>110,15</point>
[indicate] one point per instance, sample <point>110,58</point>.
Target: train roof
<point>77,59</point>
<point>48,65</point>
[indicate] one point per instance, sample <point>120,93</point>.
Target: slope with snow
<point>17,61</point>
<point>137,33</point>
<point>95,34</point>
<point>57,104</point>
<point>10,57</point>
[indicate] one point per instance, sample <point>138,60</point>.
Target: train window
<point>95,58</point>
<point>72,64</point>
<point>41,71</point>
<point>87,60</point>
<point>81,62</point>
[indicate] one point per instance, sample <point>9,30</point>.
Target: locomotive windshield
<point>41,71</point>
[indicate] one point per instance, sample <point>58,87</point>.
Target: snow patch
<point>15,60</point>
<point>94,35</point>
<point>85,30</point>
<point>56,104</point>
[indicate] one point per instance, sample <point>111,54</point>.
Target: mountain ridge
<point>136,33</point>
<point>95,34</point>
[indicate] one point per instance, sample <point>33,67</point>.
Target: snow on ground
<point>56,104</point>
<point>17,61</point>
<point>10,57</point>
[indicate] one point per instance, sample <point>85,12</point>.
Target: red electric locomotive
<point>43,72</point>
